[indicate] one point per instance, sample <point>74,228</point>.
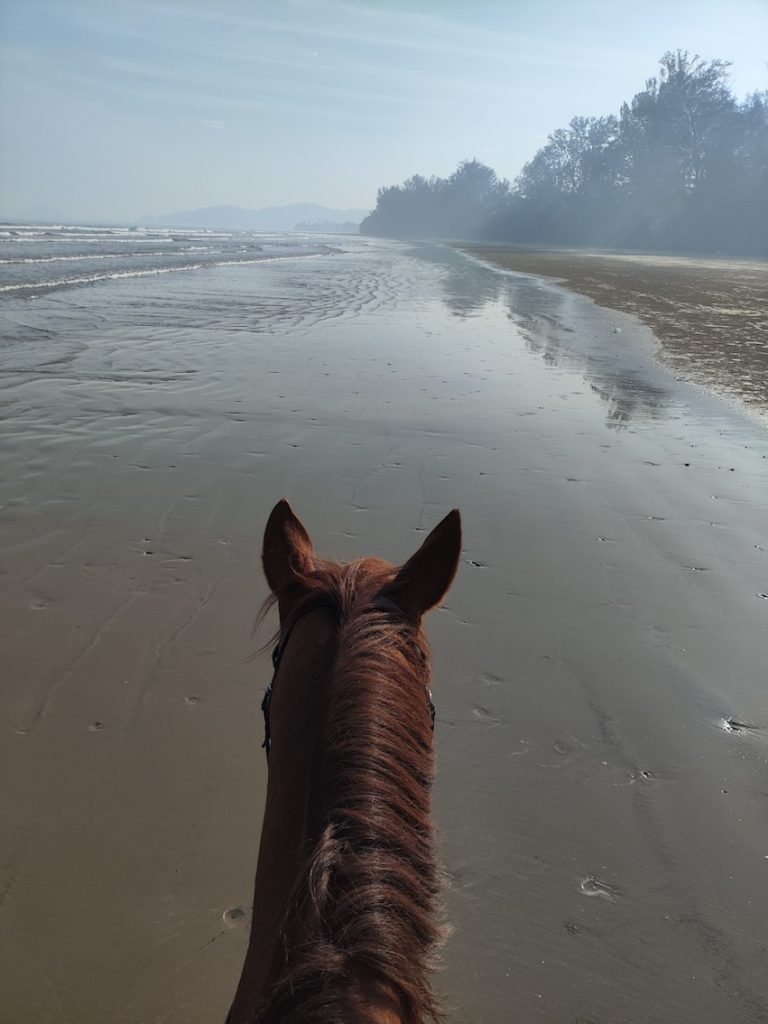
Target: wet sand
<point>710,315</point>
<point>603,826</point>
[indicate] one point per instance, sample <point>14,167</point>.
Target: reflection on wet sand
<point>710,315</point>
<point>548,321</point>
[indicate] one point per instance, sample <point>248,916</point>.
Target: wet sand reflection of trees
<point>537,315</point>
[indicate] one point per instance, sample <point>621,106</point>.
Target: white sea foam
<point>34,259</point>
<point>51,239</point>
<point>63,282</point>
<point>93,278</point>
<point>92,256</point>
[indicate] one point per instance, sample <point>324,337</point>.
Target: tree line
<point>682,167</point>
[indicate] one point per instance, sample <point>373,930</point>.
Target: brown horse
<point>346,909</point>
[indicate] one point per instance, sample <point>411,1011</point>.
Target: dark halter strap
<point>312,604</point>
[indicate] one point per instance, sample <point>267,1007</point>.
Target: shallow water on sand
<point>599,664</point>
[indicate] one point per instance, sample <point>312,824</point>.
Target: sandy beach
<point>602,708</point>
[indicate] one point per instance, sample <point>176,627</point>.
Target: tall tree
<point>459,206</point>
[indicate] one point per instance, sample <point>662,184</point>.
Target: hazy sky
<point>110,109</point>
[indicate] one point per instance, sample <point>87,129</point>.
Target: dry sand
<point>605,830</point>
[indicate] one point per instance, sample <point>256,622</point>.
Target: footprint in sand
<point>485,716</point>
<point>234,916</point>
<point>593,886</point>
<point>490,679</point>
<point>642,775</point>
<point>733,725</point>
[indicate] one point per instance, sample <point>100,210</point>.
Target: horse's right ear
<point>287,553</point>
<point>425,578</point>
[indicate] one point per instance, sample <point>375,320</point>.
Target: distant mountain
<point>272,218</point>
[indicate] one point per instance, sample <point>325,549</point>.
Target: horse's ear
<point>425,578</point>
<point>287,553</point>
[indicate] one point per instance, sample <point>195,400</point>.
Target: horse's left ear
<point>425,578</point>
<point>287,554</point>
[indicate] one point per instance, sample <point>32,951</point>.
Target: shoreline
<point>709,316</point>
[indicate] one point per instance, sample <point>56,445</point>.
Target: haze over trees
<point>682,167</point>
<point>456,207</point>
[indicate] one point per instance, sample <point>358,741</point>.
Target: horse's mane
<point>366,905</point>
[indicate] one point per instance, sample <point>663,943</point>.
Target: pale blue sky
<point>110,109</point>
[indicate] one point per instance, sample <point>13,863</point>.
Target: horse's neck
<point>294,817</point>
<point>372,1003</point>
<point>288,829</point>
<point>286,837</point>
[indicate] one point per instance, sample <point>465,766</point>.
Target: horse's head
<point>291,566</point>
<point>320,600</point>
<point>346,904</point>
